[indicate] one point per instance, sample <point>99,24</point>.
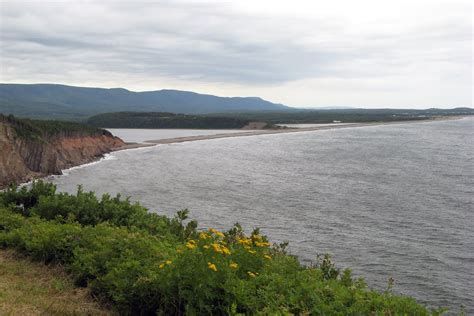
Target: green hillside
<point>69,102</point>
<point>164,120</point>
<point>346,115</point>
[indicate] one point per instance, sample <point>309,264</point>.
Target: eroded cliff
<point>29,150</point>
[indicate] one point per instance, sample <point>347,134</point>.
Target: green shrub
<point>44,240</point>
<point>25,197</point>
<point>9,220</point>
<point>85,208</point>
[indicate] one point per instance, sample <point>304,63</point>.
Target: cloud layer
<point>368,53</point>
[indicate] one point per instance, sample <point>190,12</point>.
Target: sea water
<point>386,201</point>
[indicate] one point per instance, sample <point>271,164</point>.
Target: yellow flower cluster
<point>252,274</point>
<point>216,232</point>
<point>220,249</point>
<point>234,265</point>
<point>191,244</point>
<point>259,242</point>
<point>204,236</point>
<point>214,240</point>
<point>167,262</point>
<point>244,241</point>
<point>212,266</point>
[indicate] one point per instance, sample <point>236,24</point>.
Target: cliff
<point>31,149</point>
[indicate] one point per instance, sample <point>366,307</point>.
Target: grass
<point>31,288</point>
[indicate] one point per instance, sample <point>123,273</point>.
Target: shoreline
<point>175,140</point>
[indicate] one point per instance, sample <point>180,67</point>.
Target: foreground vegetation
<point>144,263</point>
<point>30,288</point>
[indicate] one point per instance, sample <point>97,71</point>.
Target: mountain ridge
<point>57,100</point>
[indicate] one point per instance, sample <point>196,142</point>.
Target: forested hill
<point>347,115</point>
<point>60,101</point>
<point>42,130</point>
<point>164,120</point>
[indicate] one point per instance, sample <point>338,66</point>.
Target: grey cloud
<point>205,41</point>
<point>192,40</point>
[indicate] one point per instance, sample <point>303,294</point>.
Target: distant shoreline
<point>174,140</point>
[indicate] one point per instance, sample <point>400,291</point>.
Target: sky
<point>364,53</point>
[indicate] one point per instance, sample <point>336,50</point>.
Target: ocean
<point>386,201</point>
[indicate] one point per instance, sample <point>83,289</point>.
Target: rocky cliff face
<point>22,158</point>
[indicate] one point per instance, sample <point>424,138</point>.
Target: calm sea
<point>387,201</point>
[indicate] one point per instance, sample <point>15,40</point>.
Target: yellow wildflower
<point>225,250</point>
<point>216,247</point>
<point>168,261</point>
<point>257,237</point>
<point>190,245</point>
<point>216,232</point>
<point>251,274</point>
<point>252,252</point>
<point>262,244</point>
<point>212,266</point>
<point>234,265</point>
<point>203,236</point>
<point>205,247</point>
<point>244,241</point>
<point>162,266</point>
<point>267,257</point>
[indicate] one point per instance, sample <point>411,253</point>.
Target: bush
<point>25,198</point>
<point>43,240</point>
<point>85,208</point>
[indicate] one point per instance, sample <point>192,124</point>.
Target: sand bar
<point>244,133</point>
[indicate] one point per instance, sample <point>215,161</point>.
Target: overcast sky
<point>397,53</point>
